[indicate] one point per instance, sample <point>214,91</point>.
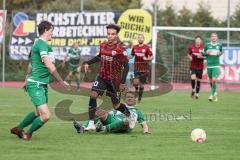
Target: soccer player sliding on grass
<point>212,52</point>
<point>36,84</point>
<point>111,54</point>
<point>196,65</point>
<point>114,121</point>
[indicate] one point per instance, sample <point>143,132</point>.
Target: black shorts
<point>142,76</point>
<point>197,72</point>
<point>100,85</point>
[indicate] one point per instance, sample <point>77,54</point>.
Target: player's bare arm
<point>91,61</point>
<point>53,71</point>
<point>145,128</point>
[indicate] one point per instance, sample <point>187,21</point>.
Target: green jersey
<point>74,57</point>
<point>215,50</point>
<point>120,116</point>
<point>39,72</point>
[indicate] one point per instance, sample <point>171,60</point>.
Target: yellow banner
<point>134,22</point>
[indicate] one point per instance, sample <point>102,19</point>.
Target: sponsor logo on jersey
<point>139,54</point>
<point>107,58</point>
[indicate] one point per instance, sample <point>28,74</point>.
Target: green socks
<point>28,119</point>
<point>78,83</point>
<point>213,89</point>
<point>37,123</point>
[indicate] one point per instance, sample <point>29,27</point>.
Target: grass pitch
<point>176,114</point>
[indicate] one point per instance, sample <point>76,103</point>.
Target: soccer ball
<point>198,135</point>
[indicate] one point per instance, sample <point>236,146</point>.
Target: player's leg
<point>69,77</point>
<point>209,71</point>
<point>136,85</point>
<point>117,126</point>
<point>27,120</point>
<point>39,97</point>
<point>193,82</point>
<point>77,78</point>
<point>198,82</point>
<point>97,89</point>
<point>112,93</point>
<point>215,74</point>
<point>136,82</point>
<point>101,114</point>
<point>92,105</point>
<point>38,122</point>
<point>105,119</point>
<point>143,80</point>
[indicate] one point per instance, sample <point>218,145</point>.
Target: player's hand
<point>24,87</point>
<point>79,69</point>
<point>209,52</point>
<point>65,85</point>
<point>123,88</point>
<point>146,59</point>
<point>190,58</point>
<point>63,65</point>
<point>86,66</point>
<point>218,53</point>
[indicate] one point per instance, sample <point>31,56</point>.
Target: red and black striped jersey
<point>140,51</point>
<point>196,63</point>
<point>112,57</point>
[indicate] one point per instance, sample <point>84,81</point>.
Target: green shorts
<point>109,120</point>
<point>38,93</point>
<point>73,69</point>
<point>121,127</point>
<point>213,72</point>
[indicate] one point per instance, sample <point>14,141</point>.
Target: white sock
<point>91,123</point>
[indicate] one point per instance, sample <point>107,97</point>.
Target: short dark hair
<point>130,92</point>
<point>44,26</point>
<point>198,36</point>
<point>114,26</point>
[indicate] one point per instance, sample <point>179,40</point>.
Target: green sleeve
<point>43,49</point>
<point>70,51</point>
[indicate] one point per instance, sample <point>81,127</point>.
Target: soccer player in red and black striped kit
<point>196,65</point>
<point>143,55</point>
<point>109,71</point>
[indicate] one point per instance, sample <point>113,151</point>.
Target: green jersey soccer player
<point>73,64</point>
<point>115,121</point>
<point>212,52</point>
<point>36,83</point>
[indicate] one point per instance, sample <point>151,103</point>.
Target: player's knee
<point>101,114</point>
<point>193,77</point>
<point>214,80</point>
<point>45,117</point>
<point>135,82</point>
<point>94,95</point>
